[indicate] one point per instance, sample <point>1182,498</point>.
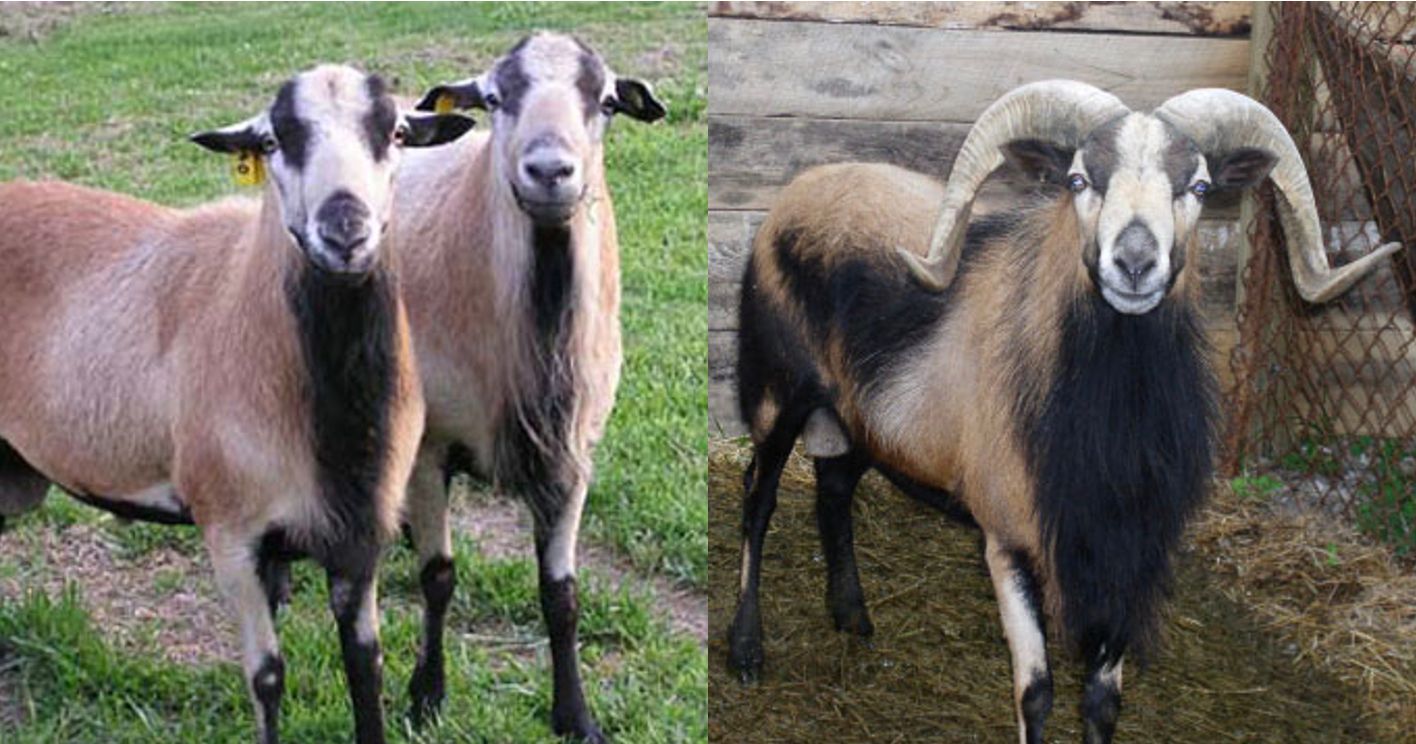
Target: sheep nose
<point>1136,249</point>
<point>548,170</point>
<point>343,223</point>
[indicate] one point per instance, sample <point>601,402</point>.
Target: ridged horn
<point>1058,111</point>
<point>1220,121</point>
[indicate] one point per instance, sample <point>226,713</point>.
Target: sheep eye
<point>1200,188</point>
<point>609,105</point>
<point>491,100</point>
<point>400,134</point>
<point>1077,183</point>
<point>269,145</point>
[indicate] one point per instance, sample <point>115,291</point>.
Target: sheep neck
<point>546,283</point>
<point>347,339</point>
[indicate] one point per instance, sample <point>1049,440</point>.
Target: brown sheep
<point>243,365</point>
<point>1044,373</point>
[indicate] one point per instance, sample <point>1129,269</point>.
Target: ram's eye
<point>400,134</point>
<point>491,100</point>
<point>1200,188</point>
<point>1077,183</point>
<point>269,144</point>
<point>610,105</point>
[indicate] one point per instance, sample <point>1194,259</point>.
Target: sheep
<point>1043,369</point>
<point>243,365</point>
<point>513,296</point>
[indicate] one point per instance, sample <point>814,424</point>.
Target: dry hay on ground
<point>1341,600</point>
<point>938,666</point>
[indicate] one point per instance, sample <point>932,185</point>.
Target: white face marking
<point>1136,222</point>
<point>333,104</point>
<point>545,143</point>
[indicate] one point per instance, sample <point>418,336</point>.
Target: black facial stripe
<point>1100,155</point>
<point>381,118</point>
<point>512,81</point>
<point>292,133</point>
<point>591,82</point>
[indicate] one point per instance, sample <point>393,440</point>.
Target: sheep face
<point>551,99</point>
<point>1137,185</point>
<point>331,144</point>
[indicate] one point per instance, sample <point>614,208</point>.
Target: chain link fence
<point>1324,402</point>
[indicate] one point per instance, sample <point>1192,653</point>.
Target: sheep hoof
<point>427,691</point>
<point>578,727</point>
<point>745,641</point>
<point>745,654</point>
<point>854,620</point>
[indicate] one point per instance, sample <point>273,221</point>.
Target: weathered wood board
<point>1204,19</point>
<point>765,68</point>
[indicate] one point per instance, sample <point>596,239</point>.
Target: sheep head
<point>1137,182</point>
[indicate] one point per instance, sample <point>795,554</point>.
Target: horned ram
<point>1043,368</point>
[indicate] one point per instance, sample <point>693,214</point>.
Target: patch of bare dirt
<point>502,529</point>
<point>161,602</point>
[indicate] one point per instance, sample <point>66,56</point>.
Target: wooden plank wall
<point>798,85</point>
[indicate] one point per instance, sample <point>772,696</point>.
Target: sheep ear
<point>427,130</point>
<point>246,136</point>
<point>1039,160</point>
<point>1242,168</point>
<point>635,99</point>
<point>443,99</point>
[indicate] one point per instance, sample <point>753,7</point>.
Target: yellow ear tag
<point>249,169</point>
<point>445,104</point>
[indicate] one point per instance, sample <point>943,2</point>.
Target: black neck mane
<point>347,328</point>
<point>1121,456</point>
<point>532,451</point>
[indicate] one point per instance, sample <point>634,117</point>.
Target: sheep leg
<point>557,530</point>
<point>427,522</point>
<point>354,601</point>
<point>238,578</point>
<point>1101,701</point>
<point>1020,606</point>
<point>745,635</point>
<point>836,480</point>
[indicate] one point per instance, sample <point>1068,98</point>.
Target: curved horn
<point>1060,111</point>
<point>1220,121</point>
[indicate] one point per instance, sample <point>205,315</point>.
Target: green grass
<point>108,101</point>
<point>644,683</point>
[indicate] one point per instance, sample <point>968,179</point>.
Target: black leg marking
<point>268,685</point>
<point>836,480</point>
<point>363,658</point>
<point>561,608</point>
<point>275,577</point>
<point>745,634</point>
<point>428,685</point>
<point>1101,705</point>
<point>1036,705</point>
<point>274,553</point>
